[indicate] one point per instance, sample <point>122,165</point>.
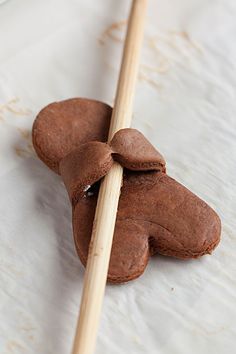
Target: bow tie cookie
<point>156,214</point>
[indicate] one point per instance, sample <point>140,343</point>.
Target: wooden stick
<point>107,204</point>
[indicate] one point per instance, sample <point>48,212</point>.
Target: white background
<point>185,104</point>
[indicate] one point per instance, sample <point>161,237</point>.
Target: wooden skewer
<point>107,204</point>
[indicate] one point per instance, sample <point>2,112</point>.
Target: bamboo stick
<point>107,204</point>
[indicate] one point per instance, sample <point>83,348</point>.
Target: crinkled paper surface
<point>185,104</point>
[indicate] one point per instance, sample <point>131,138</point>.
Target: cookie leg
<point>130,249</point>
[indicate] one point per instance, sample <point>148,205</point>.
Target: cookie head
<point>63,126</point>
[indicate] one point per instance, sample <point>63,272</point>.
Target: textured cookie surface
<point>156,214</point>
<point>63,126</point>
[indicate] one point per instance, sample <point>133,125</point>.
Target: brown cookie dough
<point>128,147</point>
<point>156,214</point>
<point>57,129</point>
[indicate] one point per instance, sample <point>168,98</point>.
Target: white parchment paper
<point>185,104</point>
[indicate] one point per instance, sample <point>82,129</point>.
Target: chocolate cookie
<point>57,129</point>
<point>156,214</point>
